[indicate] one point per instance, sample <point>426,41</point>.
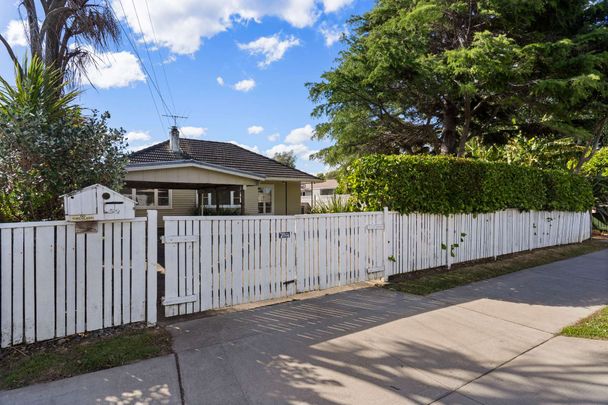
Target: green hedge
<point>447,185</point>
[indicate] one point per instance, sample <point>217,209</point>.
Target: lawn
<point>429,281</point>
<point>20,366</point>
<point>592,327</point>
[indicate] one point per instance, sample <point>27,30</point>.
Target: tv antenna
<point>175,118</point>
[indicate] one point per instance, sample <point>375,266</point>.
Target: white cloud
<point>250,148</point>
<point>220,80</point>
<point>182,25</point>
<point>170,59</point>
<point>272,48</point>
<point>114,69</point>
<point>135,148</point>
<point>245,85</point>
<point>192,132</point>
<point>15,33</point>
<point>137,136</point>
<point>255,129</point>
<point>299,135</point>
<point>274,137</point>
<point>332,34</point>
<point>331,6</point>
<point>300,150</point>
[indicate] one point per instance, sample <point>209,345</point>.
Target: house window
<point>327,191</point>
<point>265,200</point>
<point>150,198</point>
<point>207,199</point>
<point>225,199</point>
<point>236,197</point>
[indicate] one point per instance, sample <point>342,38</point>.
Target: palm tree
<point>67,34</point>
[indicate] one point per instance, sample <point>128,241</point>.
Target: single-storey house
<point>199,177</point>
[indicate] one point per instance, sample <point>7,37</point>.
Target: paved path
<point>490,342</point>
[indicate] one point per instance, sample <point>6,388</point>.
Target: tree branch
<point>11,53</point>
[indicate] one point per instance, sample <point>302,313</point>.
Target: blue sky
<point>236,68</point>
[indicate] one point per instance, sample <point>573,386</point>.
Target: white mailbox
<point>97,203</point>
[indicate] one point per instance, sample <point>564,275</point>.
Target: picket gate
<point>214,262</point>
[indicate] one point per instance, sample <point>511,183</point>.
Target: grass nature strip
<point>594,326</point>
<point>429,281</point>
<point>49,361</point>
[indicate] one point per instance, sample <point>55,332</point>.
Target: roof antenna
<point>174,134</point>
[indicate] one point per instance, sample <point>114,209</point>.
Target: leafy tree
<point>598,164</point>
<point>287,158</point>
<point>65,33</point>
<point>48,148</point>
<point>421,77</point>
<point>544,153</point>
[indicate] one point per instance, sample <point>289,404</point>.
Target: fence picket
<point>206,267</point>
<point>138,273</point>
<point>17,292</point>
<point>94,282</point>
<point>5,282</point>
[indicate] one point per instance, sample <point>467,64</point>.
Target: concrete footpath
<point>491,342</point>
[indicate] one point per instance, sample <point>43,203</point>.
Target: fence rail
<point>214,262</point>
<point>56,281</point>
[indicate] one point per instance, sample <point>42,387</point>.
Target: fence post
<point>449,240</point>
<point>388,244</point>
<point>151,267</point>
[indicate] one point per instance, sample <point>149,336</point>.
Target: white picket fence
<point>423,241</point>
<point>56,281</point>
<point>214,262</point>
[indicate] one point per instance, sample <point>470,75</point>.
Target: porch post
<point>242,191</point>
<point>217,201</point>
<point>285,185</point>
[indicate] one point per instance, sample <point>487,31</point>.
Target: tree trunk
<point>594,144</point>
<point>449,132</point>
<point>466,127</point>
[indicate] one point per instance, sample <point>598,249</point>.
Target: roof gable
<point>221,154</point>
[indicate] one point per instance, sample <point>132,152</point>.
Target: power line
<point>145,42</point>
<point>160,57</point>
<point>154,84</point>
<point>162,99</point>
<point>126,34</point>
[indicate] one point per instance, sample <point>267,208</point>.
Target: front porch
<point>179,199</point>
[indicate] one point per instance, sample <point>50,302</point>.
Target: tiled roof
<point>222,154</point>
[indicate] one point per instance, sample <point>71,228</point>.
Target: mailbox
<point>97,203</point>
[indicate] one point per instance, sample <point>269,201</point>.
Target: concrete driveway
<point>490,342</point>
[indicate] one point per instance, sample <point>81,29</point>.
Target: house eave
<point>174,164</point>
<point>294,179</point>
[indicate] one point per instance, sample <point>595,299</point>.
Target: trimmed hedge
<point>447,185</point>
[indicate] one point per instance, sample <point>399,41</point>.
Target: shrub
<point>49,148</point>
<point>447,185</point>
<point>334,205</point>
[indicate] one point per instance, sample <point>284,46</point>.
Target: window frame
<point>272,200</point>
<point>155,206</point>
